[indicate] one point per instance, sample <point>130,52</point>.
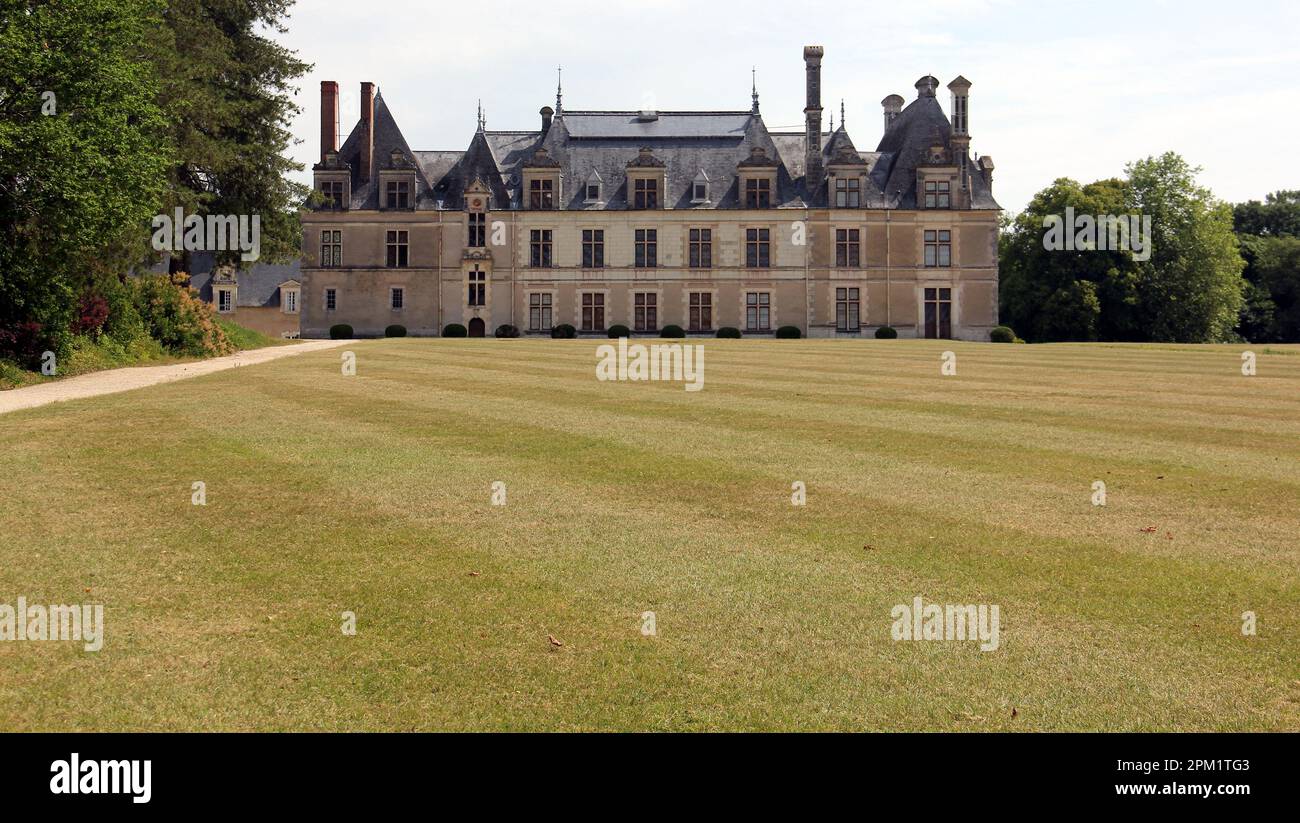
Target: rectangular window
<point>847,248</point>
<point>758,311</point>
<point>848,192</point>
<point>398,250</point>
<point>224,302</point>
<point>758,194</point>
<point>333,193</point>
<point>539,248</point>
<point>593,311</point>
<point>539,311</point>
<point>701,251</point>
<point>398,194</point>
<point>936,194</point>
<point>645,311</point>
<point>938,313</point>
<point>701,305</point>
<point>396,297</point>
<point>646,248</point>
<point>646,194</point>
<point>291,301</point>
<point>477,230</point>
<point>593,192</point>
<point>541,194</point>
<point>331,248</point>
<point>593,248</point>
<point>331,299</point>
<point>701,192</point>
<point>847,309</point>
<point>938,248</point>
<point>758,248</point>
<point>477,288</point>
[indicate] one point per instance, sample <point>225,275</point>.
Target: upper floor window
<point>936,194</point>
<point>848,192</point>
<point>593,192</point>
<point>333,190</point>
<point>847,248</point>
<point>539,248</point>
<point>477,288</point>
<point>699,192</point>
<point>758,193</point>
<point>646,248</point>
<point>645,193</point>
<point>541,194</point>
<point>397,194</point>
<point>593,248</point>
<point>701,248</point>
<point>398,249</point>
<point>477,230</point>
<point>938,248</point>
<point>331,248</point>
<point>758,248</point>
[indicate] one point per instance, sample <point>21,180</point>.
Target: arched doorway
<point>476,327</point>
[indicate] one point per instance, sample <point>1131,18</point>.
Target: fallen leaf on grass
<point>473,574</point>
<point>1149,530</point>
<point>554,641</point>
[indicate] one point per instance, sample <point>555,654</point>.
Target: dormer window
<point>331,180</point>
<point>541,194</point>
<point>700,188</point>
<point>758,193</point>
<point>593,193</point>
<point>397,194</point>
<point>757,179</point>
<point>542,180</point>
<point>333,192</point>
<point>937,194</point>
<point>646,194</point>
<point>848,192</point>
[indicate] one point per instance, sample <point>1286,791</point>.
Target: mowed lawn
<point>372,494</point>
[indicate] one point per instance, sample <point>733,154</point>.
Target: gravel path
<point>138,377</point>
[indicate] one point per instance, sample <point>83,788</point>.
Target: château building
<point>701,219</point>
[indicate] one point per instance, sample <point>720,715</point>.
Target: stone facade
<point>505,233</point>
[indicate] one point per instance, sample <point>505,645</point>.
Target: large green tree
<point>1189,290</point>
<point>83,154</point>
<point>1269,233</point>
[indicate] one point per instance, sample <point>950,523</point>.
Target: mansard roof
<point>607,143</point>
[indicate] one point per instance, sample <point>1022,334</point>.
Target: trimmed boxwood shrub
<point>788,333</point>
<point>454,330</point>
<point>886,333</point>
<point>395,330</point>
<point>1002,334</point>
<point>564,331</point>
<point>619,330</point>
<point>340,331</point>
<point>672,331</point>
<point>729,332</point>
<point>507,330</point>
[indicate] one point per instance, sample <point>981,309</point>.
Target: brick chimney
<point>812,58</point>
<point>367,130</point>
<point>329,117</point>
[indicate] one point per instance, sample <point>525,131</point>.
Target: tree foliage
<point>1270,244</point>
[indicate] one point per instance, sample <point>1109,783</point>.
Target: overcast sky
<point>1061,89</point>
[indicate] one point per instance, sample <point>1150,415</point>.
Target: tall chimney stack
<point>812,58</point>
<point>367,130</point>
<point>960,138</point>
<point>892,105</point>
<point>329,117</point>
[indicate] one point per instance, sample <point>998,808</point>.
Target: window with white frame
<point>758,311</point>
<point>938,248</point>
<point>539,311</point>
<point>937,194</point>
<point>225,300</point>
<point>291,301</point>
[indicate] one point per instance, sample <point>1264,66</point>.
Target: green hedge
<point>505,330</point>
<point>619,330</point>
<point>1002,334</point>
<point>672,331</point>
<point>564,331</point>
<point>340,331</point>
<point>788,333</point>
<point>886,333</point>
<point>454,330</point>
<point>395,330</point>
<point>729,333</point>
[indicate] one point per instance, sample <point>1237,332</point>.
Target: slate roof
<point>687,143</point>
<point>258,285</point>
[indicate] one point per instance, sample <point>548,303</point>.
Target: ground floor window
<point>645,315</point>
<point>477,295</point>
<point>397,296</point>
<point>758,311</point>
<point>290,301</point>
<point>847,309</point>
<point>701,305</point>
<point>331,300</point>
<point>593,311</point>
<point>539,311</point>
<point>938,313</point>
<point>225,300</point>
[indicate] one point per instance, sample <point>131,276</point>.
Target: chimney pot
<point>547,113</point>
